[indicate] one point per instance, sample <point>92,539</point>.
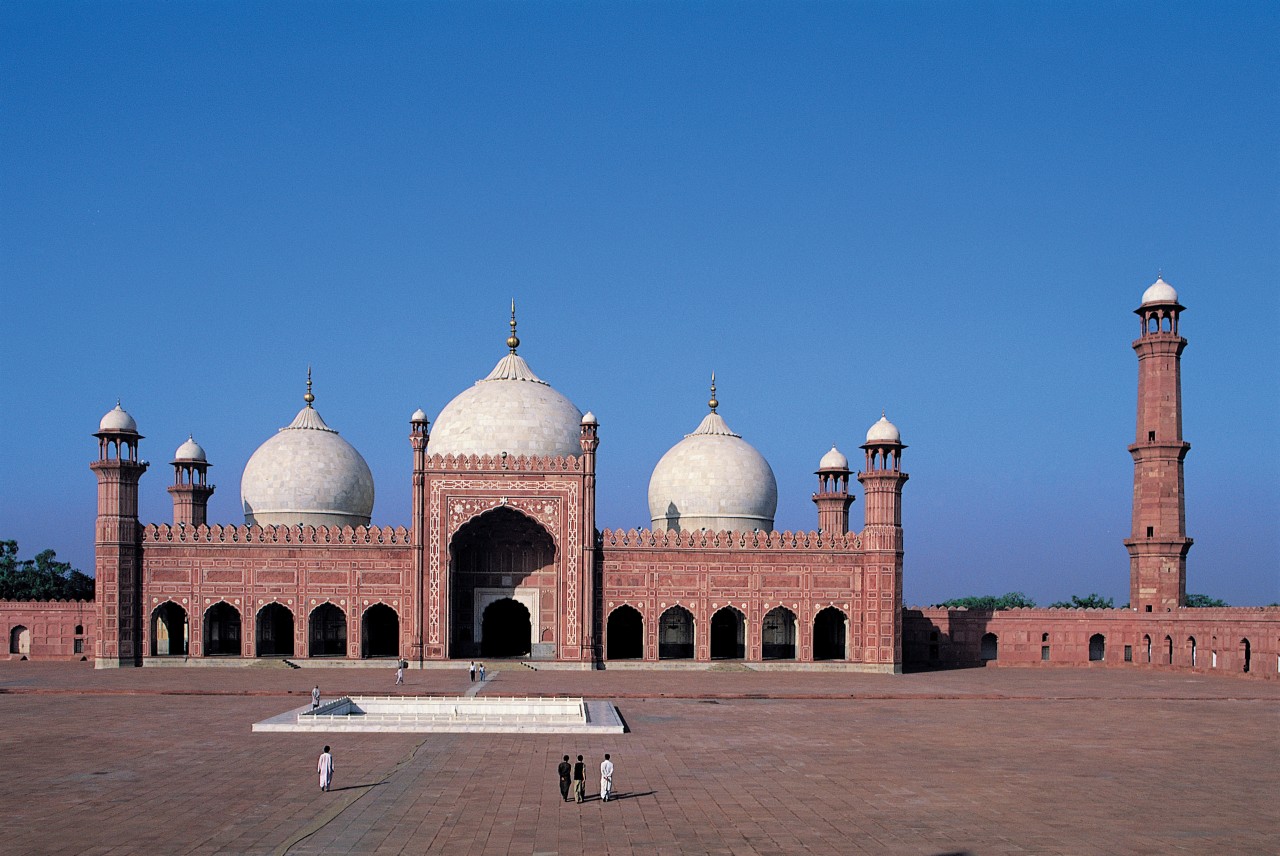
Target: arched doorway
<point>1191,649</point>
<point>829,634</point>
<point>1146,643</point>
<point>274,631</point>
<point>505,630</point>
<point>1097,647</point>
<point>728,634</point>
<point>380,632</point>
<point>675,634</point>
<point>1168,650</point>
<point>778,634</point>
<point>222,630</point>
<point>1246,654</point>
<point>169,630</point>
<point>624,634</point>
<point>502,554</point>
<point>327,632</point>
<point>989,648</point>
<point>20,640</point>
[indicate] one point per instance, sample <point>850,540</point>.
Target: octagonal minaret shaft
<point>1158,544</point>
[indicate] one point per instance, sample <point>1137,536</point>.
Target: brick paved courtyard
<point>987,761</point>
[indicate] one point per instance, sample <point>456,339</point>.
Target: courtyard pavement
<point>982,761</point>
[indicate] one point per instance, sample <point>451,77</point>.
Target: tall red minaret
<point>1158,544</point>
<point>190,489</point>
<point>833,499</point>
<point>117,543</point>
<point>882,483</point>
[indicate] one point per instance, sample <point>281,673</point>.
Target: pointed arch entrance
<point>505,629</point>
<point>624,634</point>
<point>222,630</point>
<point>327,632</point>
<point>20,640</point>
<point>728,634</point>
<point>380,632</point>
<point>675,634</point>
<point>168,630</point>
<point>778,635</point>
<point>273,635</point>
<point>830,628</point>
<point>502,555</point>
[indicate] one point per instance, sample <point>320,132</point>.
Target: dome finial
<point>308,398</point>
<point>513,341</point>
<point>713,404</point>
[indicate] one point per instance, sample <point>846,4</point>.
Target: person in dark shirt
<point>579,781</point>
<point>565,770</point>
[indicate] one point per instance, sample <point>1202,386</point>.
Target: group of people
<point>477,670</point>
<point>575,776</point>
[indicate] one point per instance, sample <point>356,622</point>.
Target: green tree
<point>41,578</point>
<point>1090,601</point>
<point>1203,600</point>
<point>1010,600</point>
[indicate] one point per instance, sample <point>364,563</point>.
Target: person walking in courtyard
<point>579,781</point>
<point>399,672</point>
<point>606,779</point>
<point>315,696</point>
<point>473,671</point>
<point>565,770</point>
<point>482,673</point>
<point>325,768</point>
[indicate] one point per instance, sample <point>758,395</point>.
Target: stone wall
<point>48,630</point>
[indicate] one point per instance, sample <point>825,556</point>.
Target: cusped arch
<point>221,630</point>
<point>778,634</point>
<point>274,630</point>
<point>472,515</point>
<point>624,634</point>
<point>728,634</point>
<point>327,630</point>
<point>380,631</point>
<point>830,634</point>
<point>170,631</point>
<point>676,634</point>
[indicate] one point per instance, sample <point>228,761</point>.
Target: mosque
<point>503,556</point>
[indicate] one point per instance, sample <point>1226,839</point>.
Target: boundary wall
<point>48,629</point>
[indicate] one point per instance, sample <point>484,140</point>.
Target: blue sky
<point>948,211</point>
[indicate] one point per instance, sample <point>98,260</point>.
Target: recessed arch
<point>778,634</point>
<point>989,647</point>
<point>222,630</point>
<point>728,634</point>
<point>676,634</point>
<point>20,640</point>
<point>830,634</point>
<point>506,629</point>
<point>1097,648</point>
<point>624,634</point>
<point>273,631</point>
<point>169,630</point>
<point>380,632</point>
<point>1246,655</point>
<point>327,631</point>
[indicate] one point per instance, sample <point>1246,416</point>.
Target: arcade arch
<point>830,630</point>
<point>624,634</point>
<point>169,630</point>
<point>380,632</point>
<point>676,634</point>
<point>728,634</point>
<point>273,631</point>
<point>327,631</point>
<point>505,629</point>
<point>222,630</point>
<point>778,634</point>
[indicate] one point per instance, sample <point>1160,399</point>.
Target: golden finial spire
<point>713,404</point>
<point>513,341</point>
<point>308,398</point>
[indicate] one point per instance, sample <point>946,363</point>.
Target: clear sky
<point>945,210</point>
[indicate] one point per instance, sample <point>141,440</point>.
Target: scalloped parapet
<point>704,540</point>
<point>504,462</point>
<point>165,533</point>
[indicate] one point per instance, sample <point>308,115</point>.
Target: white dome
<point>117,420</point>
<point>883,431</point>
<point>590,419</point>
<point>513,411</point>
<point>307,474</point>
<point>419,415</point>
<point>190,451</point>
<point>1159,292</point>
<point>715,480</point>
<point>833,460</point>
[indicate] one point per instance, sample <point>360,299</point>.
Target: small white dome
<point>833,460</point>
<point>513,411</point>
<point>307,474</point>
<point>883,431</point>
<point>419,415</point>
<point>1159,292</point>
<point>715,480</point>
<point>190,451</point>
<point>118,421</point>
<point>589,419</point>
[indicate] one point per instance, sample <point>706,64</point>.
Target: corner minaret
<point>833,499</point>
<point>882,483</point>
<point>190,489</point>
<point>117,543</point>
<point>1158,544</point>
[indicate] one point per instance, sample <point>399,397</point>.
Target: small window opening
<point>79,647</point>
<point>1151,436</point>
<point>1044,653</point>
<point>79,629</point>
<point>1148,607</point>
<point>1151,531</point>
<point>1128,653</point>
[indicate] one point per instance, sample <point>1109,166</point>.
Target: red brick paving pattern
<point>987,761</point>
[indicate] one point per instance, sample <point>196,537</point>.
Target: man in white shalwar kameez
<point>606,779</point>
<point>325,768</point>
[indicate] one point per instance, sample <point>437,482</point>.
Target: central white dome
<point>513,411</point>
<point>715,480</point>
<point>307,474</point>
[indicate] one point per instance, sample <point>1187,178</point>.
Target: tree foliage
<point>1203,600</point>
<point>1009,600</point>
<point>1089,601</point>
<point>41,578</point>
